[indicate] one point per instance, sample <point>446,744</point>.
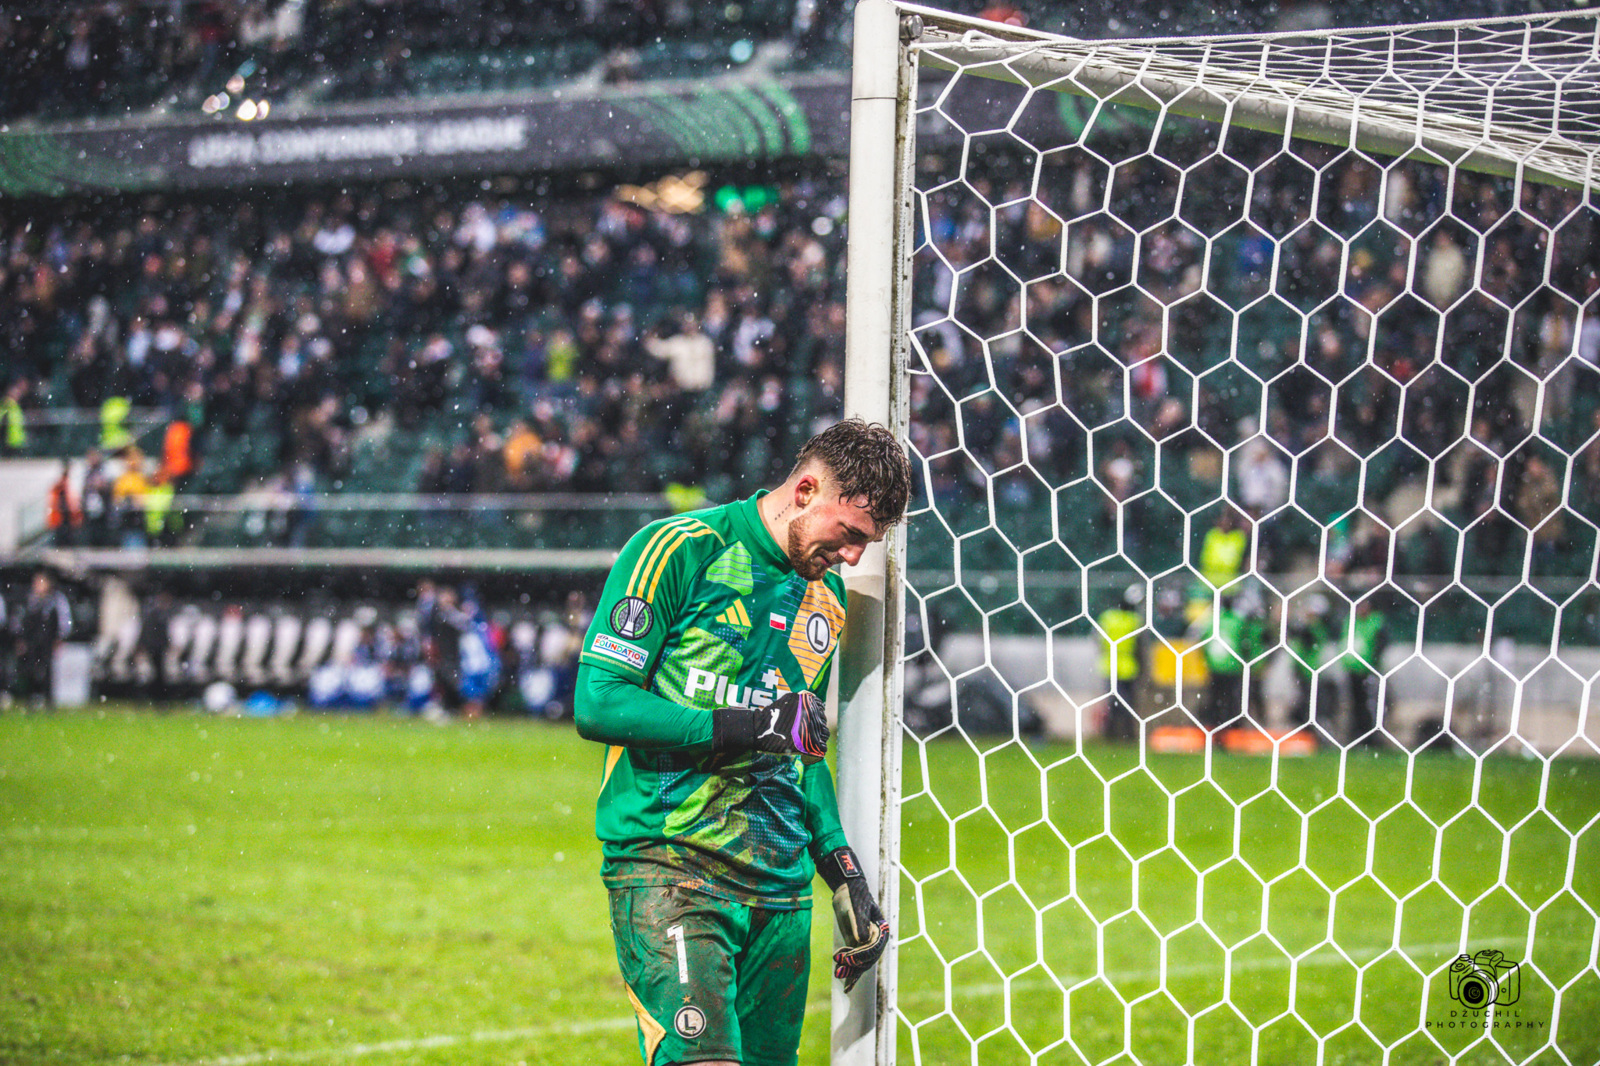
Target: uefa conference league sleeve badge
<point>631,618</point>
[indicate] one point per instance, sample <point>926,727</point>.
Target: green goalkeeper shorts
<point>712,979</point>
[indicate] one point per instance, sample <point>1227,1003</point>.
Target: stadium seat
<point>230,639</point>
<point>253,665</point>
<point>197,663</point>
<point>118,654</point>
<point>286,630</point>
<point>346,635</point>
<point>180,630</point>
<point>315,642</point>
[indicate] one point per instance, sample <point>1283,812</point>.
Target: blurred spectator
<point>13,419</point>
<point>177,452</point>
<point>155,639</point>
<point>1308,646</point>
<point>1587,464</point>
<point>1537,505</point>
<point>521,457</point>
<point>63,515</point>
<point>1224,550</point>
<point>408,679</point>
<point>488,455</point>
<point>1122,659</point>
<point>1365,637</point>
<point>689,352</point>
<point>430,477</point>
<point>1363,558</point>
<point>98,502</point>
<point>127,499</point>
<point>1232,640</point>
<point>1262,486</point>
<point>160,524</point>
<point>1447,272</point>
<point>114,411</point>
<point>1261,473</point>
<point>40,626</point>
<point>477,657</point>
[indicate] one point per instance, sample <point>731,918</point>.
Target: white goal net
<point>1235,694</point>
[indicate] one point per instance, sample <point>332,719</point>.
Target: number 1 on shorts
<point>676,933</point>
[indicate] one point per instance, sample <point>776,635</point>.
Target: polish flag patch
<point>777,621</point>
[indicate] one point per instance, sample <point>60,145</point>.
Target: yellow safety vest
<point>1222,555</point>
<point>16,428</point>
<point>114,434</point>
<point>1122,646</point>
<point>157,505</point>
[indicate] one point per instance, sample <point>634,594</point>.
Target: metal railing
<point>279,528</point>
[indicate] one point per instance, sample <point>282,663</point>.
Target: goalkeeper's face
<point>828,532</point>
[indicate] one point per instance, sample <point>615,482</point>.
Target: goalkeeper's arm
<point>861,923</point>
<point>614,709</point>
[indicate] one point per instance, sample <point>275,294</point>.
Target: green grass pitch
<point>181,889</point>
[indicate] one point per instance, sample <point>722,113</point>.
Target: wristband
<point>838,866</point>
<point>732,729</point>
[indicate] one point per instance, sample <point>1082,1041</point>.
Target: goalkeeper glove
<point>866,933</point>
<point>794,723</point>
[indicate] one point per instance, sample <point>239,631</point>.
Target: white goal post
<point>1231,694</point>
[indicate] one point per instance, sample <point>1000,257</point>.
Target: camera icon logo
<point>1485,979</point>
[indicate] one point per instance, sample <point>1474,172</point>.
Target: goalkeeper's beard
<point>810,564</point>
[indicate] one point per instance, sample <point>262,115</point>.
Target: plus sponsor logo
<point>725,691</point>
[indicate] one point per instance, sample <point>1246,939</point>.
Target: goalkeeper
<point>701,673</point>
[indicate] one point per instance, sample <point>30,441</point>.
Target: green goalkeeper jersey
<point>701,611</point>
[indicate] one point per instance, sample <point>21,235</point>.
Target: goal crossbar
<point>1477,111</point>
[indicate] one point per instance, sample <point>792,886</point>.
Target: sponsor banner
<point>667,124</point>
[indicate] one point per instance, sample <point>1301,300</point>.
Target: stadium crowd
<point>583,345</point>
<point>1394,278</point>
<point>111,57</point>
<point>588,343</point>
<point>532,341</point>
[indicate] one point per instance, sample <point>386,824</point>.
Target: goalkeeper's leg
<point>711,980</point>
<point>773,976</point>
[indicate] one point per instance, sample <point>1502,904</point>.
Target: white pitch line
<point>502,1036</point>
<point>421,1043</point>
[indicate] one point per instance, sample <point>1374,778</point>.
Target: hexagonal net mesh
<point>1253,628</point>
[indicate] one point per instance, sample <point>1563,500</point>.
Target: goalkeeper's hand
<point>866,933</point>
<point>795,723</point>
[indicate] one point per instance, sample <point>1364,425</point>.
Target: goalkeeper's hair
<point>863,460</point>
